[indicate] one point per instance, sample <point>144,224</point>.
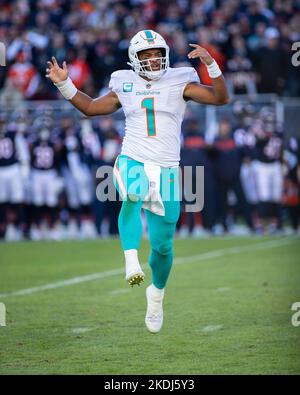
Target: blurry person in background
<point>239,70</point>
<point>258,12</point>
<point>20,122</point>
<point>58,46</point>
<point>79,68</point>
<point>178,58</point>
<point>256,40</point>
<point>240,76</point>
<point>268,170</point>
<point>227,166</point>
<point>14,163</point>
<point>10,96</point>
<point>78,177</point>
<point>271,63</point>
<point>45,183</point>
<point>206,41</point>
<point>24,75</point>
<point>245,141</point>
<point>193,154</point>
<point>107,211</point>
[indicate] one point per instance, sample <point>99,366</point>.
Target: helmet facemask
<point>144,67</point>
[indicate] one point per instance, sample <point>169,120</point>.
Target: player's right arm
<point>100,106</point>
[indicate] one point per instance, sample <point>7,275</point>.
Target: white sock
<point>131,257</point>
<point>157,293</point>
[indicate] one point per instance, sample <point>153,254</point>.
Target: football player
<point>245,141</point>
<point>153,97</point>
<point>77,142</point>
<point>268,172</point>
<point>228,165</point>
<point>14,158</point>
<point>45,181</point>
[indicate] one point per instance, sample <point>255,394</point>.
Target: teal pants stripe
<point>161,228</point>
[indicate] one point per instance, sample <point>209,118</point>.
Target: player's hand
<point>200,52</point>
<point>55,73</point>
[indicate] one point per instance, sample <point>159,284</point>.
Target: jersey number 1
<point>148,104</point>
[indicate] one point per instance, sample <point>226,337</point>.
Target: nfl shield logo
<point>127,86</point>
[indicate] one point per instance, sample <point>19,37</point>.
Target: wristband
<point>214,70</point>
<point>67,88</point>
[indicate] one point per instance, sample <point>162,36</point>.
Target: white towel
<point>153,201</point>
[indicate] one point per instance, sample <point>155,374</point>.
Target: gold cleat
<point>136,279</point>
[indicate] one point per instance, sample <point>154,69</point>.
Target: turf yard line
<point>119,291</point>
<point>231,250</point>
<point>223,289</point>
<point>81,330</point>
<point>63,283</point>
<point>177,261</point>
<point>212,328</point>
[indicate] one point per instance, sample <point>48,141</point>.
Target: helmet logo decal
<point>149,37</point>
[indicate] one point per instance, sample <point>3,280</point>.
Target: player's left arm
<point>217,93</point>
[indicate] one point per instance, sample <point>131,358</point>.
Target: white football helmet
<point>148,39</point>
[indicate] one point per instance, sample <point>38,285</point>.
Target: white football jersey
<point>154,112</point>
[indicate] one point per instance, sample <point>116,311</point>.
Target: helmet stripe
<point>149,36</point>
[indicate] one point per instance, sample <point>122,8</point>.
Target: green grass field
<point>227,309</point>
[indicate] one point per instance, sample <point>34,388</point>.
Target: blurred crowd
<point>250,39</point>
<point>49,161</point>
